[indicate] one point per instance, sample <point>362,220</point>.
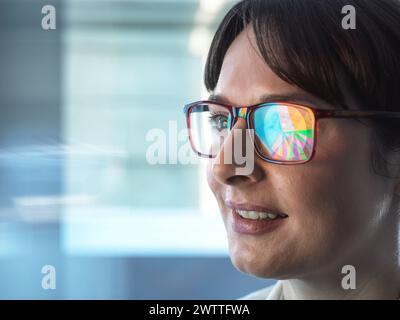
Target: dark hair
<point>304,43</point>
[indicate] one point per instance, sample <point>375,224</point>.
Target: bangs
<point>304,44</point>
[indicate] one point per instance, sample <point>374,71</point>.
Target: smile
<point>257,215</point>
<point>253,219</point>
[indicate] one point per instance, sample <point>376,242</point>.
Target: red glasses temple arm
<point>356,114</point>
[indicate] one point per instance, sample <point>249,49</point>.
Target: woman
<point>320,210</point>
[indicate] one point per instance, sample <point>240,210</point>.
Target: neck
<point>383,284</point>
<point>377,274</point>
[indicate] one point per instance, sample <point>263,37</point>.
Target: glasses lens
<point>284,132</point>
<point>209,125</point>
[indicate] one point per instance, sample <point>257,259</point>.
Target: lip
<point>248,207</point>
<point>253,227</point>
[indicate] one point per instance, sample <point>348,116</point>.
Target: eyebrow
<point>300,97</point>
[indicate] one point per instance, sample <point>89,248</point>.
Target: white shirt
<point>274,292</point>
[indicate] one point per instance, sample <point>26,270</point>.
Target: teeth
<point>263,215</point>
<point>272,215</point>
<point>255,215</point>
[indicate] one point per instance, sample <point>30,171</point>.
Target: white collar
<point>277,292</point>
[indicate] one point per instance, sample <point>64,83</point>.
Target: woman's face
<point>335,204</point>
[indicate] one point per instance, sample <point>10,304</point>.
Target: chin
<point>267,263</point>
<point>256,265</point>
<point>264,269</point>
<point>259,270</point>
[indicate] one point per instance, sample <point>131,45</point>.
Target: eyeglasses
<point>284,132</point>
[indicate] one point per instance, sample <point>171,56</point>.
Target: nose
<point>225,167</point>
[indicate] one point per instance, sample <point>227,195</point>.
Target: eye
<point>219,121</point>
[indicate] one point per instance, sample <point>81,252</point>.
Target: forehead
<point>245,77</point>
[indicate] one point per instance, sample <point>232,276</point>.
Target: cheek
<point>334,196</point>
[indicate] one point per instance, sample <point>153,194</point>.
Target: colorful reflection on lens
<point>284,132</point>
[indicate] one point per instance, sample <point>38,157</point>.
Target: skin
<point>340,212</point>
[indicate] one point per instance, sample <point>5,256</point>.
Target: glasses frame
<point>245,112</point>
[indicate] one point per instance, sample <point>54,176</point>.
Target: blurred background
<point>77,190</point>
